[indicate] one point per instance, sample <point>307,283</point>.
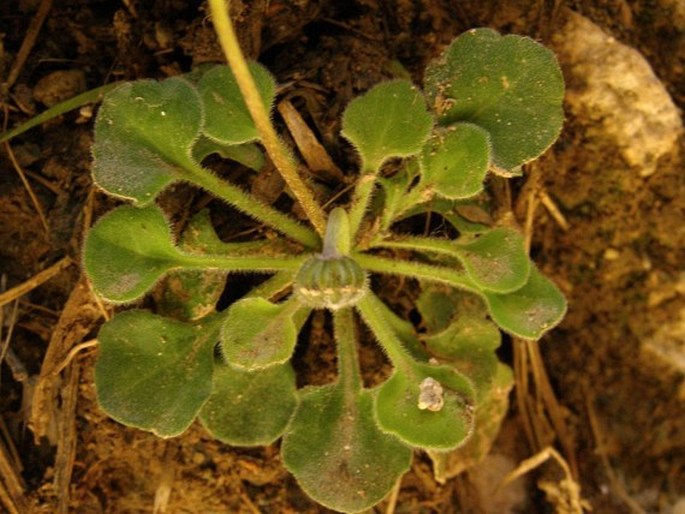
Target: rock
<point>613,90</point>
<point>59,86</point>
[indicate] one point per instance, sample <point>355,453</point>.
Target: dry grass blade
<point>565,494</point>
<point>34,281</point>
<point>11,484</point>
<point>29,40</point>
<point>616,484</point>
<point>313,152</point>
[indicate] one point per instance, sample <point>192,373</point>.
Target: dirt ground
<point>605,207</point>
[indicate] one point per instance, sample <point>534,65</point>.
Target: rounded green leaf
<point>152,372</point>
<point>496,260</point>
<point>127,251</point>
<point>337,453</point>
<point>446,419</point>
<point>227,118</point>
<point>250,408</point>
<point>390,120</point>
<point>455,161</point>
<point>528,312</point>
<point>509,85</point>
<point>469,344</point>
<point>258,333</point>
<point>144,133</point>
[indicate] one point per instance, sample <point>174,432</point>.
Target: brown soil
<point>619,414</point>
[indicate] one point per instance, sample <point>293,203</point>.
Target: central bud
<point>332,279</point>
<point>330,283</point>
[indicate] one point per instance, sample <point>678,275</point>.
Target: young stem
<point>274,147</point>
<point>272,286</point>
<point>370,312</point>
<point>336,242</point>
<point>345,331</point>
<point>253,207</point>
<point>242,262</point>
<point>418,270</point>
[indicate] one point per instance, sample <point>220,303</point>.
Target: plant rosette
<point>490,103</point>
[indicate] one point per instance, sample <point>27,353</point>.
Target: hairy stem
<point>281,158</point>
<point>242,262</point>
<point>372,315</point>
<point>361,200</point>
<point>418,270</point>
<point>253,207</point>
<point>345,331</point>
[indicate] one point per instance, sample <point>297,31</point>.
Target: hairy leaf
<point>496,260</point>
<point>337,453</point>
<point>250,408</point>
<point>390,120</point>
<point>509,85</point>
<point>258,333</point>
<point>127,251</point>
<point>154,373</point>
<point>455,161</point>
<point>227,118</point>
<point>469,344</point>
<point>531,311</point>
<point>144,133</point>
<point>398,413</point>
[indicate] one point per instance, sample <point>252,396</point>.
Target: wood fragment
<point>34,281</point>
<point>79,316</point>
<point>66,442</point>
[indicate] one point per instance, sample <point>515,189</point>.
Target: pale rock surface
<point>613,89</point>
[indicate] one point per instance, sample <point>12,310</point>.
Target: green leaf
<point>390,120</point>
<point>397,407</point>
<point>496,260</point>
<point>509,85</point>
<point>144,133</point>
<point>193,294</point>
<point>455,161</point>
<point>258,333</point>
<point>247,154</point>
<point>337,453</point>
<point>227,118</point>
<point>439,304</point>
<point>127,251</point>
<point>154,373</point>
<point>530,311</point>
<point>250,408</point>
<point>489,416</point>
<point>469,344</point>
